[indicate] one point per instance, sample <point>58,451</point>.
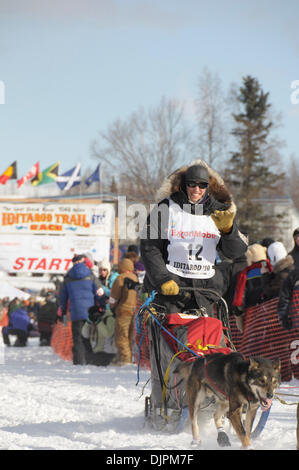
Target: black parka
<point>290,284</point>
<point>154,241</point>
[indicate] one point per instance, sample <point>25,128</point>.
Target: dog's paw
<point>195,443</point>
<point>223,439</point>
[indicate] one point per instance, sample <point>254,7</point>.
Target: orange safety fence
<point>4,320</point>
<point>62,340</point>
<point>262,336</point>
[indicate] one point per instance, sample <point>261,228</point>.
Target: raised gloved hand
<point>170,288</point>
<point>224,219</point>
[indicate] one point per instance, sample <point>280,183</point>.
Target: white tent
<point>6,290</point>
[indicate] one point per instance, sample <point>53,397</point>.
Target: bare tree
<point>145,148</point>
<point>211,113</point>
<point>293,180</point>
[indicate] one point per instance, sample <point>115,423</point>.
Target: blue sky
<point>71,67</point>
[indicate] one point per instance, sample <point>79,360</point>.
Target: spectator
<point>13,305</point>
<point>123,303</point>
<point>289,287</point>
<point>99,331</point>
<point>295,251</point>
<point>134,249</point>
<point>276,252</point>
<point>91,264</point>
<point>139,271</point>
<point>106,276</point>
<point>249,287</point>
<point>5,302</point>
<point>79,290</point>
<point>33,330</point>
<point>19,326</point>
<point>282,265</point>
<point>46,318</point>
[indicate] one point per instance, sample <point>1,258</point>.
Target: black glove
<point>286,323</point>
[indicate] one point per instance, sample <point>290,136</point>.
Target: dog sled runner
<point>170,339</point>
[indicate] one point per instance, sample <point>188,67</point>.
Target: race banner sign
<point>53,218</point>
<point>48,254</point>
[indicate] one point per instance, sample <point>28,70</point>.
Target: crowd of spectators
<point>100,300</point>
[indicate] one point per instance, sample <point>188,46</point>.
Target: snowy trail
<point>49,404</point>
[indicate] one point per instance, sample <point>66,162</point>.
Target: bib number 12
<point>194,252</point>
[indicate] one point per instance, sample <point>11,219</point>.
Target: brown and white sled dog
<point>234,382</point>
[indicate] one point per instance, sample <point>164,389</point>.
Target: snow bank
<point>50,404</point>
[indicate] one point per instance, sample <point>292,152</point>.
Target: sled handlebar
<point>201,289</point>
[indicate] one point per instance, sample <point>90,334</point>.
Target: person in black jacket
<point>290,285</point>
<point>46,318</point>
<point>295,251</point>
<point>282,264</point>
<point>194,219</point>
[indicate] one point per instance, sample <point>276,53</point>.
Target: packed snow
<point>50,404</point>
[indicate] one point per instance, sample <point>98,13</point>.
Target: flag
<point>95,176</point>
<point>70,178</point>
<point>9,173</point>
<point>32,173</point>
<point>47,176</point>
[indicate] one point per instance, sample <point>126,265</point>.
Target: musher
<point>194,219</point>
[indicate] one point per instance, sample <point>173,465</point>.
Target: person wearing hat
<point>249,289</point>
<point>77,294</point>
<point>194,218</point>
<point>123,304</point>
<point>295,251</point>
<point>282,265</point>
<point>107,276</point>
<point>288,293</point>
<point>19,326</point>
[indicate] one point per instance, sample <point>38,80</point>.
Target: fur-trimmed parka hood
<point>285,263</point>
<point>218,190</point>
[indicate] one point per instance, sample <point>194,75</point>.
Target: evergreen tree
<point>250,176</point>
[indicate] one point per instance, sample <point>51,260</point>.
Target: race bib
<point>192,243</point>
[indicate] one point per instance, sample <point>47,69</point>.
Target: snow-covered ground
<point>47,403</point>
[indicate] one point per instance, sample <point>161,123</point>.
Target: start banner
<point>48,253</point>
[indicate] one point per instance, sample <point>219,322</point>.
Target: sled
<point>167,339</point>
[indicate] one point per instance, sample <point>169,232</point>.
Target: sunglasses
<point>200,185</point>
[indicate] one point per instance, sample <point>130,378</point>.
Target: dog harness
<point>215,389</point>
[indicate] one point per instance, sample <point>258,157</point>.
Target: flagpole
<point>100,176</point>
<point>80,187</point>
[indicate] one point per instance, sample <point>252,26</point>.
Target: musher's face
<point>196,191</point>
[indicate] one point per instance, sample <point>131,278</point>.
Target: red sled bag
<point>201,335</point>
